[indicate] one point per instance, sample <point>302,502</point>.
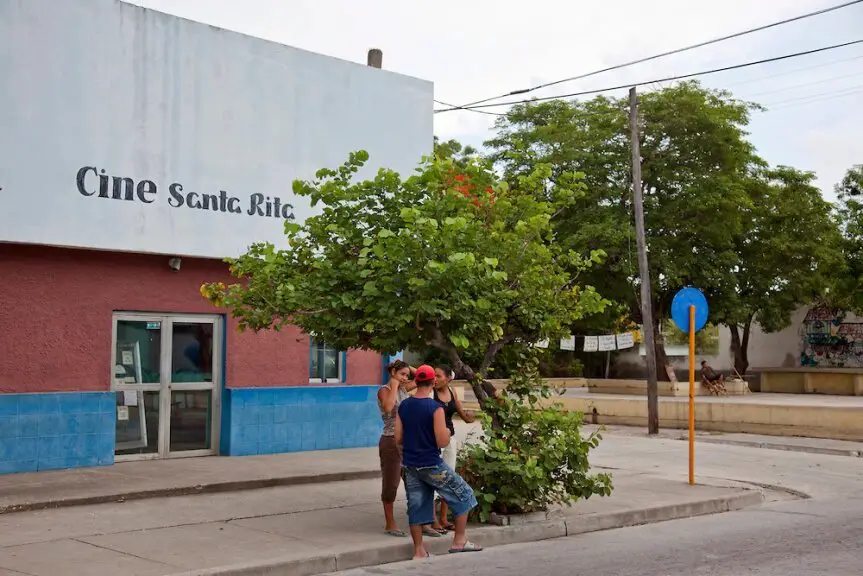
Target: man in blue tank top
<point>421,430</point>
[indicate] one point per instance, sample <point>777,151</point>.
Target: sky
<point>473,50</point>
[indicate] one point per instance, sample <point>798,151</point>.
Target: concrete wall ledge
<point>553,382</point>
<point>833,381</point>
<point>728,415</point>
<point>639,387</point>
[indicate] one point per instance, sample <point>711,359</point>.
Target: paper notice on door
<point>591,343</point>
<point>122,413</point>
<point>128,358</point>
<point>130,398</point>
<point>567,343</point>
<point>625,341</point>
<point>607,343</point>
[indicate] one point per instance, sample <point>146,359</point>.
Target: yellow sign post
<point>689,311</point>
<point>691,394</point>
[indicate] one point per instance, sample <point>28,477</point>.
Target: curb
<point>782,447</point>
<point>210,488</point>
<point>489,536</point>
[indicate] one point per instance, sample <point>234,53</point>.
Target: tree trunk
<point>740,347</point>
<point>659,351</point>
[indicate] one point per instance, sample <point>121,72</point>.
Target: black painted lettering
<point>287,212</point>
<point>211,202</point>
<point>176,199</point>
<point>122,188</point>
<point>192,200</point>
<point>234,205</point>
<point>81,179</point>
<point>256,204</point>
<point>103,185</point>
<point>146,188</point>
<point>223,201</point>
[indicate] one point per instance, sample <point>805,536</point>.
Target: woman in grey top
<point>390,396</point>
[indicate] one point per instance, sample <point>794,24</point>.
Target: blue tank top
<point>419,446</point>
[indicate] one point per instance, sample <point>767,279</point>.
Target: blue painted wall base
<point>276,420</point>
<point>52,431</point>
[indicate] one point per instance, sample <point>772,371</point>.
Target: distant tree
<point>788,249</point>
<point>696,161</point>
<point>848,293</point>
<point>455,151</point>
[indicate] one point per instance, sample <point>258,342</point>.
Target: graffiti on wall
<point>830,341</point>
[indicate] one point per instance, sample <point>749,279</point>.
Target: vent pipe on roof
<point>375,58</point>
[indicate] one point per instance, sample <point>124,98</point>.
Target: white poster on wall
<point>625,341</point>
<point>591,343</point>
<point>132,130</point>
<point>607,343</point>
<point>567,343</point>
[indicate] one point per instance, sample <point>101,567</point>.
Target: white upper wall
<point>94,88</point>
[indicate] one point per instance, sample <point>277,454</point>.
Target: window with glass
<point>325,363</point>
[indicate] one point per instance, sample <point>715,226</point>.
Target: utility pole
<point>644,271</point>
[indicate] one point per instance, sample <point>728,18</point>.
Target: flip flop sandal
<point>468,547</point>
<point>395,533</point>
<point>449,527</point>
<point>431,532</point>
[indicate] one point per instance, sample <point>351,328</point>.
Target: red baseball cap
<point>424,373</point>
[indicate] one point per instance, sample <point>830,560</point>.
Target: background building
<point>139,150</point>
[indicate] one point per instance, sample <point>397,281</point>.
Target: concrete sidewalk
<point>305,529</point>
<point>160,478</point>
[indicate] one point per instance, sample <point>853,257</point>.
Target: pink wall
<point>55,320</point>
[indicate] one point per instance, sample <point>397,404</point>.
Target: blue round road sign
<point>680,308</point>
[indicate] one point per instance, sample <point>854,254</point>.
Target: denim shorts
<point>421,485</point>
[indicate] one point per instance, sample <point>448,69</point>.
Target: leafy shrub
<point>536,457</point>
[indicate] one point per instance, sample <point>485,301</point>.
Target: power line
<point>663,54</point>
<point>803,85</point>
<point>795,71</point>
<point>480,111</point>
<point>666,79</point>
<point>818,97</point>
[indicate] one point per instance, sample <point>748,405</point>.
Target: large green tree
<point>696,162</point>
<point>848,293</point>
<point>449,258</point>
<point>788,250</point>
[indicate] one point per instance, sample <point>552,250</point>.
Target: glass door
<point>166,375</point>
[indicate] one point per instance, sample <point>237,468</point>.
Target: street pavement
<point>817,530</point>
<point>799,538</point>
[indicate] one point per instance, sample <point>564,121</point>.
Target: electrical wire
<point>480,111</point>
<point>803,85</point>
<point>818,97</point>
<point>666,79</point>
<point>794,71</point>
<point>664,54</point>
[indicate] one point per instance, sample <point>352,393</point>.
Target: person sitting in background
<point>712,380</point>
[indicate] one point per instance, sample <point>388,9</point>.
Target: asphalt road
<point>790,538</point>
